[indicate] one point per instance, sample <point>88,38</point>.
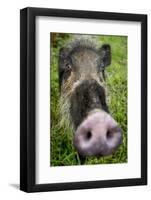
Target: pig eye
<point>68,66</point>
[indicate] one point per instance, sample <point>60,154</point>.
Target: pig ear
<point>62,57</point>
<point>61,63</point>
<point>105,51</point>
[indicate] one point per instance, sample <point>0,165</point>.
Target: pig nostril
<point>88,135</point>
<point>109,134</point>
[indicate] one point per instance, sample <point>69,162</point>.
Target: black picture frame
<point>28,98</point>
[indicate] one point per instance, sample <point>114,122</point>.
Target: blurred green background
<point>62,152</point>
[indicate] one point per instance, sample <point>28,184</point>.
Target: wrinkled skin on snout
<point>82,83</point>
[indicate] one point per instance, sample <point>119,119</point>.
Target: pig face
<point>82,84</point>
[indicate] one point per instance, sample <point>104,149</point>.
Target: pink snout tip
<point>98,134</point>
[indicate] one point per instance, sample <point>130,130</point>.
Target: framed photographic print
<point>83,99</point>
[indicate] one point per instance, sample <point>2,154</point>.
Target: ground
<point>62,152</point>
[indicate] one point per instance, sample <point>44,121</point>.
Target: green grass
<point>62,152</point>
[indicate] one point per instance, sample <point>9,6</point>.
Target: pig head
<point>82,84</point>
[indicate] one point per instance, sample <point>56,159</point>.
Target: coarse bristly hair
<point>86,41</point>
<point>65,118</point>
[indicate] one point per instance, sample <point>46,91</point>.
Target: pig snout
<point>98,134</point>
